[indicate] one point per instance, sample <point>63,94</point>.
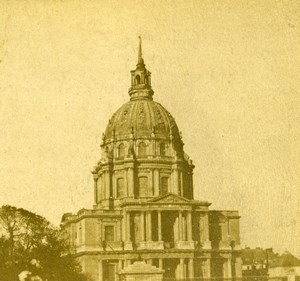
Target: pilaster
<point>130,174</point>
<point>142,226</point>
<point>149,226</point>
<point>156,182</point>
<point>159,225</point>
<point>191,268</point>
<point>204,231</point>
<point>127,243</point>
<point>100,271</point>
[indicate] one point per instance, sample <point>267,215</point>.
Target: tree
<point>28,242</point>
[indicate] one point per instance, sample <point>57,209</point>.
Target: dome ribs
<point>142,115</point>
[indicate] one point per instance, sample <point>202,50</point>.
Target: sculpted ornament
<point>160,120</point>
<point>124,117</point>
<point>141,116</point>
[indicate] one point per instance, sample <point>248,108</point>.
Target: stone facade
<point>143,201</point>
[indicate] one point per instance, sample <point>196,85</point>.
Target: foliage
<point>29,242</point>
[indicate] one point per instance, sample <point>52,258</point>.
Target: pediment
<point>169,198</point>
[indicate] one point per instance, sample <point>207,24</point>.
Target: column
<point>124,238</point>
<point>126,183</point>
<point>151,185</point>
<point>206,269</point>
<point>113,185</point>
<point>238,267</point>
<point>142,226</point>
<point>127,226</point>
<point>176,230</point>
<point>118,232</point>
<point>83,232</point>
<point>191,268</point>
<point>127,236</point>
<point>206,227</point>
<point>227,268</point>
<point>95,192</point>
<point>204,231</point>
<point>160,263</point>
<point>181,184</point>
<point>184,227</point>
<point>108,184</point>
<point>99,232</point>
<point>120,265</point>
<point>156,182</point>
<point>149,227</point>
<point>181,269</point>
<point>176,180</point>
<point>225,242</point>
<point>191,185</point>
<point>100,271</point>
<point>189,226</point>
<point>179,226</point>
<point>159,225</point>
<point>130,182</point>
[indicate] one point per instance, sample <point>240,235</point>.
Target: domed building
<point>144,207</point>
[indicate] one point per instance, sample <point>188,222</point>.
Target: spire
<point>140,78</point>
<point>140,55</point>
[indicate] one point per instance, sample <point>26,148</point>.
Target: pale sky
<point>228,71</point>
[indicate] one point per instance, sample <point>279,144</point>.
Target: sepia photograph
<point>152,140</point>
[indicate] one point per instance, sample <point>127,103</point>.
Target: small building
<point>285,267</point>
<point>256,263</point>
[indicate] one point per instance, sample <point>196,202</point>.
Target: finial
<point>140,56</point>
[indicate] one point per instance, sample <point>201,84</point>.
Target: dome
<point>141,117</point>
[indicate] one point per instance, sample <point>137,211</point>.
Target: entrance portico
<point>160,225</point>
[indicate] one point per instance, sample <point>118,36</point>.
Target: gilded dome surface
<point>142,117</point>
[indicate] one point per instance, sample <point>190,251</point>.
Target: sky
<point>228,71</point>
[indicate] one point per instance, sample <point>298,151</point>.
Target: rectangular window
<point>142,186</point>
<point>164,185</point>
<point>109,233</point>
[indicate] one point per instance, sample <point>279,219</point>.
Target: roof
<point>142,117</point>
<point>258,256</point>
<point>286,260</point>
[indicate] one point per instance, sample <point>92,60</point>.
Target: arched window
<point>162,149</point>
<point>142,187</point>
<point>138,79</point>
<point>164,185</point>
<point>142,149</point>
<point>120,188</point>
<point>121,150</point>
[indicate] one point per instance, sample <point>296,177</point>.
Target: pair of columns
<point>188,226</point>
<point>227,268</point>
<point>182,273</point>
<point>104,188</point>
<point>148,229</point>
